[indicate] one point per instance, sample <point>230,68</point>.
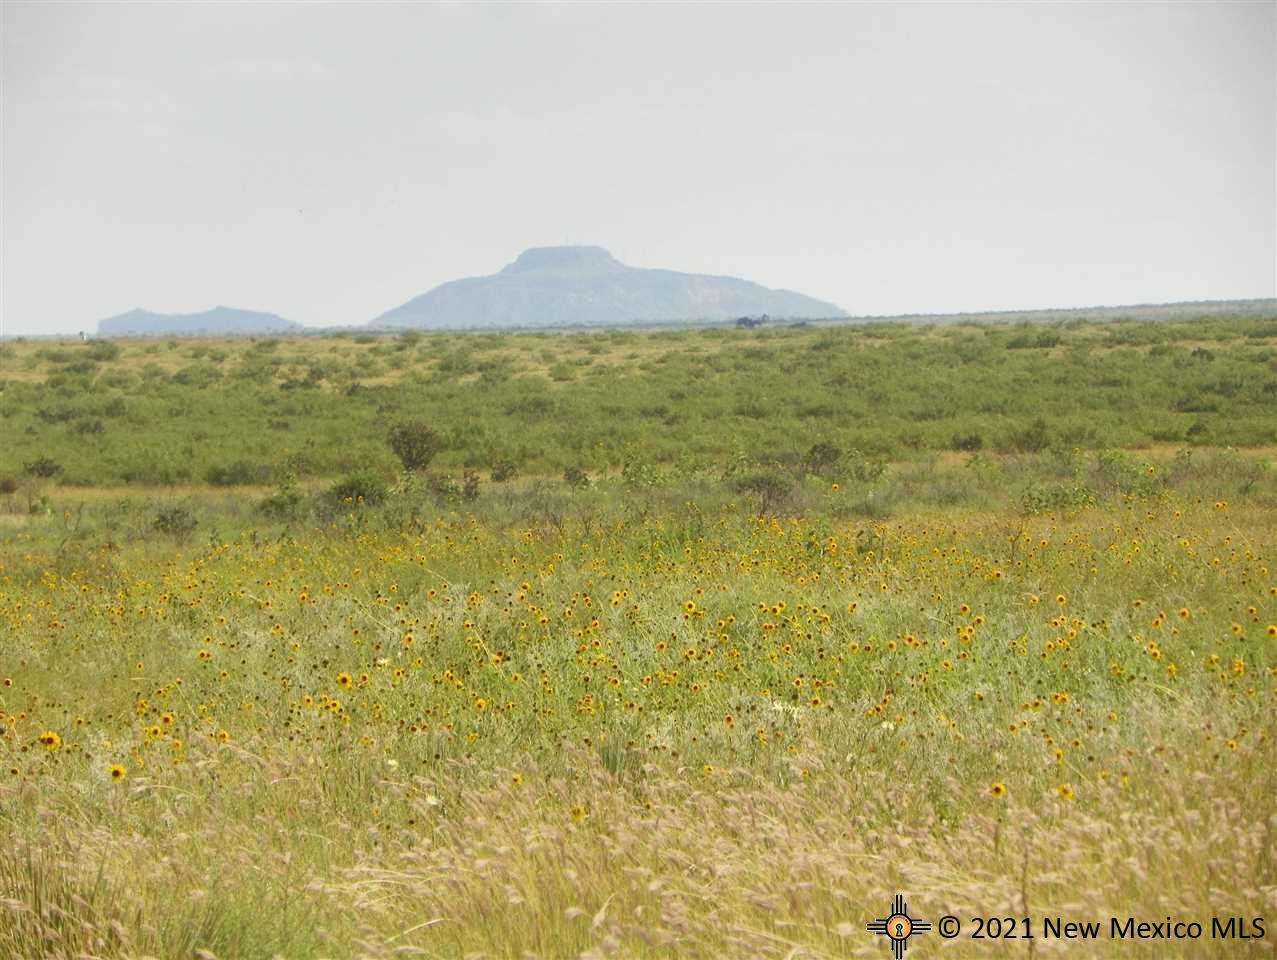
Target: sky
<point>328,162</point>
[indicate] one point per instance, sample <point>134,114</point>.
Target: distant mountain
<point>215,322</point>
<point>571,286</point>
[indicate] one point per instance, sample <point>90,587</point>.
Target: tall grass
<point>667,729</point>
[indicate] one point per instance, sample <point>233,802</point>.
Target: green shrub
<point>637,473</point>
<point>864,468</point>
<point>1033,438</point>
<point>1046,498</point>
<point>239,473</point>
<point>103,351</point>
<point>823,459</point>
<point>1040,341</point>
<point>470,486</point>
<point>174,521</point>
<point>288,501</point>
<point>414,443</point>
<point>502,470</point>
<point>771,486</point>
<point>363,486</point>
<point>43,467</point>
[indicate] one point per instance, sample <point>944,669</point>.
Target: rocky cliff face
<point>570,286</point>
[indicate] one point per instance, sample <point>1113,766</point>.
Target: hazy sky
<point>328,162</point>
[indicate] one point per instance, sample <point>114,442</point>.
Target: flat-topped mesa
<point>587,286</point>
<point>564,260</point>
<point>220,321</point>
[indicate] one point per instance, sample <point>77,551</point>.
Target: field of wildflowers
<point>643,720</point>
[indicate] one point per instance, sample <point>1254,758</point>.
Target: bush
<point>1040,341</point>
<point>362,486</point>
<point>175,521</point>
<point>822,458</point>
<point>449,490</point>
<point>287,501</point>
<point>103,351</point>
<point>562,372</point>
<point>969,442</point>
<point>772,487</point>
<point>639,473</point>
<point>414,443</point>
<point>1048,498</point>
<point>198,375</point>
<point>1034,438</point>
<point>470,486</point>
<point>237,474</point>
<point>43,467</point>
<point>503,470</point>
<point>863,468</point>
<point>445,489</point>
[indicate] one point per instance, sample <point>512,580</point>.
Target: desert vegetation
<point>245,411</point>
<point>695,644</point>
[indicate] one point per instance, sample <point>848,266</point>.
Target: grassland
<point>183,411</point>
<point>791,641</point>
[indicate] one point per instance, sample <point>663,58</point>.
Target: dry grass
<point>675,737</point>
<point>662,863</point>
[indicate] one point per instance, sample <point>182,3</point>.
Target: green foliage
<point>893,391</point>
<point>562,372</point>
<point>43,467</point>
<point>770,486</point>
<point>823,459</point>
<point>287,502</point>
<point>1033,438</point>
<point>862,468</point>
<point>503,470</point>
<point>360,487</point>
<point>470,486</point>
<point>1041,340</point>
<point>637,473</point>
<point>103,351</point>
<point>174,521</point>
<point>1048,498</point>
<point>414,443</point>
<point>237,473</point>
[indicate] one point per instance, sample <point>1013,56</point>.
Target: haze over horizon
<point>898,159</point>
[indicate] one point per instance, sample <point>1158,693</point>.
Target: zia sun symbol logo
<point>899,927</point>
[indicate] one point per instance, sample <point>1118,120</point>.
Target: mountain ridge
<point>586,285</point>
<point>218,320</point>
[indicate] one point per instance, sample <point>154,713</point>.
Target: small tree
<point>822,459</point>
<point>772,487</point>
<point>414,443</point>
